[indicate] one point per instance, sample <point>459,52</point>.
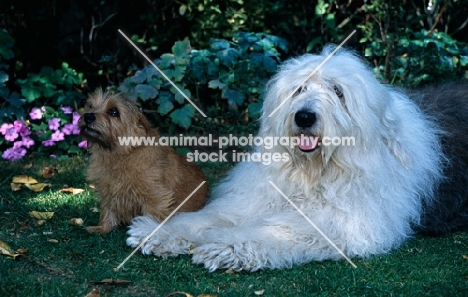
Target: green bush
<point>39,113</point>
<point>228,76</point>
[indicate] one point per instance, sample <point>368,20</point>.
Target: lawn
<point>62,259</point>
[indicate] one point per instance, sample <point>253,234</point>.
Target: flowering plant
<point>47,130</point>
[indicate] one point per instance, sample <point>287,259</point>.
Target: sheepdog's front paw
<point>162,243</point>
<point>223,256</point>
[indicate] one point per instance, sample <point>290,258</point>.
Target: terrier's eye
<point>113,112</point>
<point>338,91</point>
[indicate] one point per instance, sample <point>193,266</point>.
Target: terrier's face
<point>108,117</point>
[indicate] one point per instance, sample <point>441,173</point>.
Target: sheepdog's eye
<point>301,90</point>
<point>113,112</point>
<point>338,91</point>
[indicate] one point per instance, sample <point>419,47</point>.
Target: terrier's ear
<point>143,123</point>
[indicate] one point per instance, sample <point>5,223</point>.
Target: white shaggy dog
<point>367,197</point>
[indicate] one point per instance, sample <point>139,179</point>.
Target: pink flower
<point>48,142</point>
<point>36,113</point>
<point>76,130</point>
<point>68,129</point>
<point>57,136</point>
<point>83,144</point>
<point>66,109</point>
<point>13,153</point>
<point>27,142</point>
<point>21,127</point>
<point>5,127</point>
<point>54,124</point>
<point>76,118</point>
<point>11,134</point>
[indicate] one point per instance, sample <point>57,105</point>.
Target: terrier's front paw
<point>98,229</point>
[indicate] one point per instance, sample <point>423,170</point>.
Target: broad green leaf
<point>49,90</point>
<point>166,61</point>
<point>254,109</point>
<point>179,73</point>
<point>321,7</point>
<point>219,44</point>
<point>235,98</point>
<point>138,78</point>
<point>228,56</point>
<point>269,64</point>
<point>15,100</point>
<point>146,92</point>
<point>74,149</point>
<point>182,9</point>
<point>181,48</point>
<point>178,96</point>
<point>183,116</point>
<point>463,60</point>
<point>216,84</point>
<point>31,92</point>
<point>165,104</point>
<point>280,42</point>
<point>3,77</point>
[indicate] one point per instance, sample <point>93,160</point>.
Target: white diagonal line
<point>313,72</point>
<point>313,225</point>
<point>158,227</point>
<point>162,73</point>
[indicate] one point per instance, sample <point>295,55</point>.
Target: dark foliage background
<point>220,52</point>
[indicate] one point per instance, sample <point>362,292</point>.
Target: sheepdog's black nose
<point>305,119</point>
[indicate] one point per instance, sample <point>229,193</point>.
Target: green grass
<point>421,267</point>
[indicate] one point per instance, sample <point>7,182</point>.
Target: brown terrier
<point>132,179</point>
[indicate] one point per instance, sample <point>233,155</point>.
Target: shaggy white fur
<point>365,197</point>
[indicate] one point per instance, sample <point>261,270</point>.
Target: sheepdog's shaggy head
<point>356,125</point>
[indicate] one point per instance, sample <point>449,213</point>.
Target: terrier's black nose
<point>89,118</point>
<point>305,119</point>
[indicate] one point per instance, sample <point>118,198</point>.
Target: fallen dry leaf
<point>73,191</point>
<point>229,271</point>
<point>6,250</point>
<point>38,187</point>
<point>22,251</point>
<point>259,292</point>
<point>39,223</point>
<point>24,226</point>
<point>23,179</point>
<point>15,187</point>
<point>465,257</point>
<point>41,215</point>
<point>27,166</point>
<point>48,172</point>
<point>76,221</point>
<point>178,293</point>
<point>94,293</point>
<point>53,240</point>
